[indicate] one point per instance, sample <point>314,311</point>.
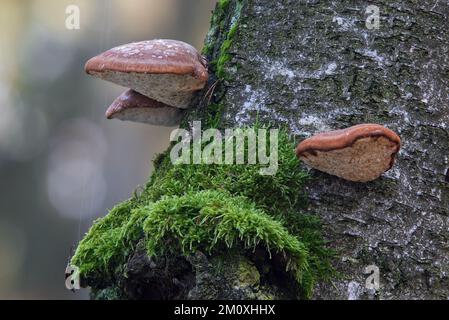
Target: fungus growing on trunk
<point>168,71</point>
<point>360,153</point>
<point>132,106</point>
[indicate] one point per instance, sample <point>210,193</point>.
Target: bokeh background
<point>62,164</point>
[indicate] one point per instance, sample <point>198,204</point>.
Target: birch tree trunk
<point>316,65</point>
<point>313,66</point>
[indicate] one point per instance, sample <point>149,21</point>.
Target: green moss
<point>207,219</point>
<point>240,180</point>
<point>221,34</point>
<point>223,29</point>
<point>104,247</point>
<point>248,275</point>
<point>106,294</point>
<point>213,220</point>
<point>212,207</point>
<point>224,4</point>
<point>224,56</point>
<point>216,25</point>
<point>213,115</point>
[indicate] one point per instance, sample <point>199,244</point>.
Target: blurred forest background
<point>62,164</point>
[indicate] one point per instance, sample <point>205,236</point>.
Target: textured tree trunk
<point>313,66</point>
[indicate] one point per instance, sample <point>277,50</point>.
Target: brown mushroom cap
<point>168,71</point>
<point>359,153</point>
<point>132,106</point>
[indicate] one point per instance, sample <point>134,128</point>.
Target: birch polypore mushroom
<point>360,153</point>
<point>132,106</point>
<point>168,71</point>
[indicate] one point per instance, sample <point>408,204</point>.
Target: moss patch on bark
<point>212,208</point>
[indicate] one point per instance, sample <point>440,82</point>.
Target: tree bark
<point>314,66</point>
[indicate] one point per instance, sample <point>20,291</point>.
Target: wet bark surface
<point>314,66</point>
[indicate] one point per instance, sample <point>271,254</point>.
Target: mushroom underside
<point>166,116</point>
<point>171,89</point>
<point>365,160</point>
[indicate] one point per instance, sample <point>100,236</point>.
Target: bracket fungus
<point>167,71</point>
<point>132,106</point>
<point>360,153</point>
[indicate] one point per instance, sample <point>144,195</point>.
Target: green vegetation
<point>224,25</point>
<point>224,56</point>
<point>240,180</point>
<point>223,28</point>
<point>217,23</point>
<point>105,246</point>
<point>210,220</point>
<point>210,208</point>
